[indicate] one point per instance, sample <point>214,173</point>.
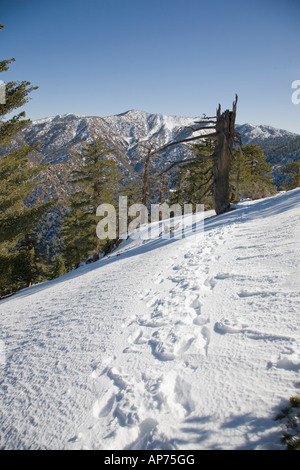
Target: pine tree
<point>97,178</point>
<point>240,174</point>
<point>28,265</point>
<point>58,267</point>
<point>16,95</point>
<point>194,179</point>
<point>251,175</point>
<point>17,180</point>
<point>292,171</point>
<point>133,193</point>
<point>78,232</point>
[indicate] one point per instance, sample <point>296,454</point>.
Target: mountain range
<point>60,138</point>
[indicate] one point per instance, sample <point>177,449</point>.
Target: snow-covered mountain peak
<point>58,117</point>
<point>263,132</point>
<point>134,125</point>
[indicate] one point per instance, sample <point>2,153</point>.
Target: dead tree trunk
<point>224,137</point>
<point>222,158</point>
<point>146,176</point>
<point>28,249</point>
<point>161,195</point>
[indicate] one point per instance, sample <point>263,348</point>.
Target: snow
<point>136,126</point>
<point>58,116</point>
<point>250,132</point>
<point>188,343</point>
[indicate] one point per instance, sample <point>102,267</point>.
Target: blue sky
<point>176,57</point>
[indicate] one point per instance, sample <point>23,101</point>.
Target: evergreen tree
<point>240,174</point>
<point>78,237</point>
<point>17,180</point>
<point>251,175</point>
<point>193,182</point>
<point>58,267</point>
<point>16,95</point>
<point>28,265</point>
<point>133,193</point>
<point>292,171</point>
<point>97,178</point>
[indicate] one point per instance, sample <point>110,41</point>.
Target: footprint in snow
<point>229,326</point>
<point>196,305</point>
<point>287,363</point>
<point>103,406</point>
<point>199,319</point>
<point>168,347</point>
<point>245,293</point>
<point>178,395</point>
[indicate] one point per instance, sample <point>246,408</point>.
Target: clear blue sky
<point>177,57</point>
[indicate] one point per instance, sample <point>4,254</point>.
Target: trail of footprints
<point>130,410</point>
<point>172,328</point>
<point>176,324</point>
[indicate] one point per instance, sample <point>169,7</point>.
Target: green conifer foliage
<point>194,179</point>
<point>292,171</point>
<point>251,175</point>
<point>58,267</point>
<point>17,180</point>
<point>240,174</point>
<point>29,265</point>
<point>98,179</point>
<point>78,232</point>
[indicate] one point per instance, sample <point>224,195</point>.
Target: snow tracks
<point>149,399</point>
<point>211,347</point>
<point>174,344</point>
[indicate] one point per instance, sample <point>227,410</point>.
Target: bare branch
<point>207,190</point>
<point>191,128</point>
<point>190,139</point>
<point>187,160</point>
<point>206,182</point>
<point>205,122</point>
<point>238,138</point>
<point>147,144</point>
<point>208,117</point>
<point>194,129</point>
<point>204,173</point>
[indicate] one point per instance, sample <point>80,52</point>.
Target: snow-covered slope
<point>60,137</point>
<point>139,129</point>
<point>188,343</point>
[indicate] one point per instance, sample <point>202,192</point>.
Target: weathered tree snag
<point>161,194</point>
<point>151,153</point>
<point>145,177</point>
<point>222,158</point>
<point>224,137</point>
